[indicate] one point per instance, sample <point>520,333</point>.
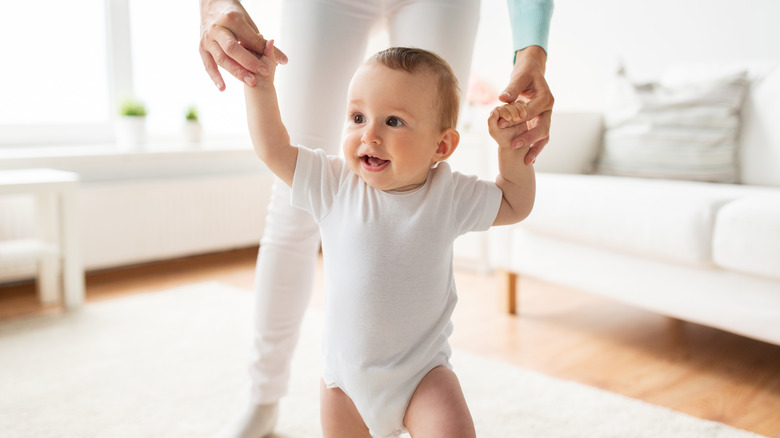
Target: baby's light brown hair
<point>413,60</point>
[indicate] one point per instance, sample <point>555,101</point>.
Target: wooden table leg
<point>510,292</point>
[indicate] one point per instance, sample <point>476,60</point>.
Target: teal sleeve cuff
<point>530,20</point>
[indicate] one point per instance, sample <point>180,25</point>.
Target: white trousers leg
<point>325,41</point>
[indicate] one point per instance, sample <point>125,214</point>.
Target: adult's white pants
<point>326,41</point>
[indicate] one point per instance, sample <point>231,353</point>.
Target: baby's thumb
<point>269,50</point>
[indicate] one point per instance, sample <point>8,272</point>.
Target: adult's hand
<point>230,39</point>
<point>527,84</point>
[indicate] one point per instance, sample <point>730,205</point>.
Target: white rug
<point>174,364</point>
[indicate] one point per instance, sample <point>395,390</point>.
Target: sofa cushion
<point>759,153</point>
<point>685,130</point>
<point>670,220</point>
<point>747,236</point>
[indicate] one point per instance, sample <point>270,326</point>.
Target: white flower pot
<point>130,133</point>
<point>193,132</point>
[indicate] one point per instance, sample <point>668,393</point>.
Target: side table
<point>56,247</point>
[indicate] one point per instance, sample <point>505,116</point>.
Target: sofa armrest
<point>575,139</point>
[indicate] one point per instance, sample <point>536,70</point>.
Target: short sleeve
<point>316,181</point>
<point>475,203</point>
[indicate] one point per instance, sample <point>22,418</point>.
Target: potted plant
<point>193,130</point>
<point>131,125</point>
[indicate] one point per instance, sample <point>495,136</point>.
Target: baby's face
<point>392,130</point>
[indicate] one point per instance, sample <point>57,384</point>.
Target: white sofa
<point>708,253</point>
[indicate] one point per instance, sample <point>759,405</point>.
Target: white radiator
<point>129,222</point>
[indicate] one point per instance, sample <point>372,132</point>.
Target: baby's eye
<point>394,122</point>
<point>358,118</point>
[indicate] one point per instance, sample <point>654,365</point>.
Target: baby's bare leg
<point>339,416</point>
<point>438,409</point>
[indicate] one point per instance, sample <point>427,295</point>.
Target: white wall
<point>588,37</point>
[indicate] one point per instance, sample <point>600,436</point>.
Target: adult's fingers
<point>531,88</point>
<point>527,75</point>
<point>538,131</point>
<point>254,41</point>
<point>535,150</point>
<point>231,66</point>
<point>541,102</point>
<point>236,18</point>
<point>235,51</point>
<point>518,83</point>
<point>281,58</point>
<point>211,68</point>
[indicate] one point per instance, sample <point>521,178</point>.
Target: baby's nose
<point>371,136</point>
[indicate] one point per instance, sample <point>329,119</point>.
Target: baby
<point>388,214</point>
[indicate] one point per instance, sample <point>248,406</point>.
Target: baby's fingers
<point>512,114</point>
<point>508,115</point>
<point>494,118</point>
<point>269,57</point>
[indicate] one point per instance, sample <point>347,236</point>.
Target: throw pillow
<point>685,130</point>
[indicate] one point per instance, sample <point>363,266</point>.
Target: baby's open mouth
<point>370,161</point>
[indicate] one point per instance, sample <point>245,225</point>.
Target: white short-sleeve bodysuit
<point>389,285</point>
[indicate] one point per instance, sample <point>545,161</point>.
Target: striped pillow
<point>674,131</point>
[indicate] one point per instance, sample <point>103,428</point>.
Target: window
<point>168,74</point>
<point>54,71</point>
<point>66,65</point>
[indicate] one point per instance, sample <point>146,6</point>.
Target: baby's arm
<point>269,136</point>
<point>515,178</point>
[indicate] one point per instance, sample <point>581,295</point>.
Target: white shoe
<point>255,421</point>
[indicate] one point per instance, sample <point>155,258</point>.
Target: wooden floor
<point>560,332</point>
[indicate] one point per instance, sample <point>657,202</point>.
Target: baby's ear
<point>448,142</point>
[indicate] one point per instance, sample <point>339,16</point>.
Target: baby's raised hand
<point>270,60</point>
<point>498,123</point>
